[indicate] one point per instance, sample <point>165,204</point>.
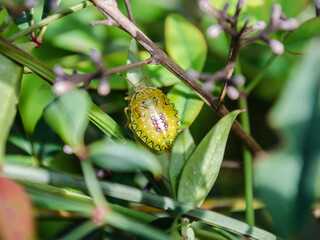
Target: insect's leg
<point>127,115</point>
<point>129,97</point>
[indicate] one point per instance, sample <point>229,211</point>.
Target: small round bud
<point>60,87</point>
<point>104,88</point>
<point>289,24</point>
<point>214,31</point>
<point>238,80</point>
<point>276,46</point>
<point>233,93</point>
<point>241,4</point>
<point>192,74</point>
<point>58,70</point>
<point>67,149</point>
<point>204,5</point>
<point>259,26</point>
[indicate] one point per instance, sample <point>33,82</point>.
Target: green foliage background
<point>286,179</point>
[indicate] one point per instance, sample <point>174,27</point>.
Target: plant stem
<point>258,78</point>
<point>247,158</point>
<point>92,183</point>
<point>225,234</point>
<point>247,164</point>
<point>50,19</point>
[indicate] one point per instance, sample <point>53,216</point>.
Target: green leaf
<point>10,78</point>
<point>185,43</point>
<point>180,153</point>
<point>35,95</point>
<point>288,178</point>
<point>297,40</point>
<point>104,122</point>
<point>159,75</point>
<point>202,169</point>
<point>123,157</point>
<point>67,115</point>
<point>187,103</point>
<point>18,136</point>
<point>24,160</point>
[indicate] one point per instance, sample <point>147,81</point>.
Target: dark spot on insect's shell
<point>157,147</point>
<point>158,130</point>
<point>134,126</point>
<point>166,126</point>
<point>144,139</point>
<point>150,144</point>
<point>152,117</point>
<point>154,123</point>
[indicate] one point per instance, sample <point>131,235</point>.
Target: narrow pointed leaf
<point>123,157</point>
<point>180,153</point>
<point>202,169</point>
<point>67,115</point>
<point>104,122</point>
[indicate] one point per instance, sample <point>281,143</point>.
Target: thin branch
<point>65,82</point>
<point>128,6</point>
<point>317,5</point>
<point>111,9</point>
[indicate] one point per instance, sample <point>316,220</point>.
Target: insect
<point>153,118</point>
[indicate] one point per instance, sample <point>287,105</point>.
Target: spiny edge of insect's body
<point>150,102</point>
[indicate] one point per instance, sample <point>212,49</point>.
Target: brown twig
<point>111,9</point>
<point>317,5</point>
<point>65,82</point>
<point>127,3</point>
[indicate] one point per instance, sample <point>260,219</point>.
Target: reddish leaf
<point>16,220</point>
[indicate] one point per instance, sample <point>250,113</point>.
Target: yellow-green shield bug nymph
<point>153,118</point>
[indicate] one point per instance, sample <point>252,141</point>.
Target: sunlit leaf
<point>287,179</point>
<point>16,217</point>
<point>123,157</point>
<point>202,168</point>
<point>67,115</point>
<point>180,153</point>
<point>187,103</point>
<point>185,43</point>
